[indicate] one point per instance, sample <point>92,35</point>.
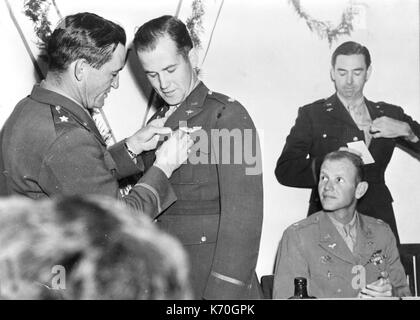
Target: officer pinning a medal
<point>50,143</point>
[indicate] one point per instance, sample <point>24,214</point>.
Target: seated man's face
<point>337,184</point>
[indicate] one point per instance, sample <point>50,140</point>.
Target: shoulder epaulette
<point>320,102</point>
<point>385,104</point>
<point>313,219</point>
<point>220,97</point>
<point>61,117</point>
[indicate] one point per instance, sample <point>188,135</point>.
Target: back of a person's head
<point>351,48</point>
<point>83,36</point>
<point>86,248</point>
<point>149,33</point>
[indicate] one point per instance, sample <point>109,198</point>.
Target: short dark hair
<point>83,36</point>
<point>349,48</point>
<point>353,158</point>
<point>149,33</point>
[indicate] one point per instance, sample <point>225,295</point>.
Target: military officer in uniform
<point>329,124</point>
<point>218,214</point>
<point>50,144</point>
<point>341,252</point>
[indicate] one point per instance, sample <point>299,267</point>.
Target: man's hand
<point>147,138</point>
<point>173,152</point>
<point>381,288</point>
<point>385,127</point>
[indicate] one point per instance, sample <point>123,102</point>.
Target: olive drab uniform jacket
<point>219,211</point>
<point>325,126</point>
<point>51,146</point>
<point>313,248</point>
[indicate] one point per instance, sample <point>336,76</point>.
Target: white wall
<point>265,56</point>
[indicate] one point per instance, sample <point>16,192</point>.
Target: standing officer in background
<point>347,116</point>
<point>50,144</point>
<point>218,215</point>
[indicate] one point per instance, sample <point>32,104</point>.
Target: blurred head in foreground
<point>86,248</point>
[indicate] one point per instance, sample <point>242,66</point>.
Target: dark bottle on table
<point>301,291</point>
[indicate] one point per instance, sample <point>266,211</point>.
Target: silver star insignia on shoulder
<point>64,119</point>
<point>189,112</point>
<point>329,109</point>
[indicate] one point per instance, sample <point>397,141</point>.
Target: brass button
<point>203,239</point>
<point>324,135</point>
<point>355,139</point>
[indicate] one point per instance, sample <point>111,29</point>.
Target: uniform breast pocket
<point>191,173</point>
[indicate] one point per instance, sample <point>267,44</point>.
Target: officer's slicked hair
<point>353,158</point>
<point>349,48</point>
<point>149,33</point>
<point>83,36</point>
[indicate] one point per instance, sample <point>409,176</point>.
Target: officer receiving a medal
<point>218,214</point>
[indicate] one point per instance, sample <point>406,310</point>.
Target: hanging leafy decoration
<point>325,29</point>
<point>37,12</point>
<point>195,22</point>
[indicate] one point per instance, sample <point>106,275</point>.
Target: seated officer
<point>340,251</point>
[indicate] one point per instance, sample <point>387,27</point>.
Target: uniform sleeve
<point>241,208</point>
<point>415,126</point>
<point>396,271</point>
<point>290,263</point>
<point>294,167</point>
<point>77,164</point>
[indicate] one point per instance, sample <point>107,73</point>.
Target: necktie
<point>362,119</point>
<point>348,237</point>
<point>102,127</point>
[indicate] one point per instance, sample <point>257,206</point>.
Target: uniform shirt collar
<point>355,104</point>
<point>341,228</point>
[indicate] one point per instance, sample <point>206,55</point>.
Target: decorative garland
<point>37,12</point>
<point>325,29</point>
<point>195,22</point>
